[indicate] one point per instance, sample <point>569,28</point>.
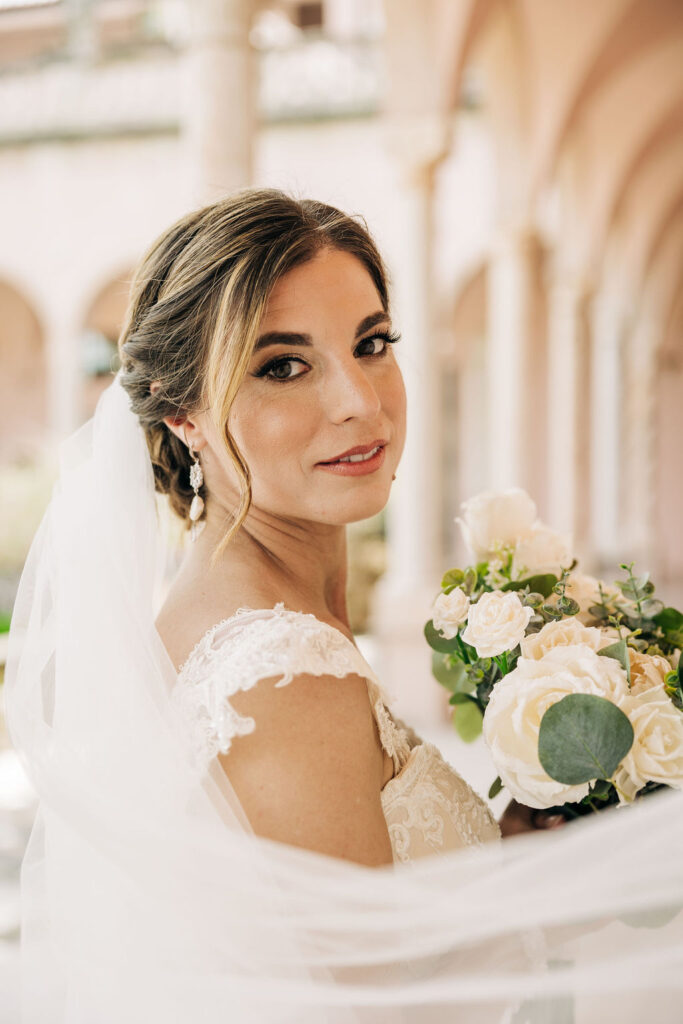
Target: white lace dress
<point>428,806</point>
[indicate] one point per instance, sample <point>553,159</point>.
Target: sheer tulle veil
<point>146,896</point>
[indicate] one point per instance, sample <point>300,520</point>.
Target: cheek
<point>272,431</point>
<point>394,401</point>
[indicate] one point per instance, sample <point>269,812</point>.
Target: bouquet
<point>576,685</point>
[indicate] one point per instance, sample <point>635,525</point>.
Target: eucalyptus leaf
<point>619,652</point>
<point>467,721</point>
<point>452,676</point>
<point>583,737</point>
<point>650,607</point>
<point>437,641</point>
<point>540,584</point>
<point>569,606</point>
<point>470,580</point>
<point>452,578</point>
<point>495,788</point>
<point>461,697</point>
<point>551,612</point>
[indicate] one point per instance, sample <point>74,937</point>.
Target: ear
<point>189,432</point>
<point>187,429</point>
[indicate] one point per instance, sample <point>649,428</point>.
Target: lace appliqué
<point>255,644</point>
<point>429,807</point>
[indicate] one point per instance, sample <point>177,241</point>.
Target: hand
<point>518,818</point>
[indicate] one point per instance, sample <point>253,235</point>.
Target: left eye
<point>371,341</point>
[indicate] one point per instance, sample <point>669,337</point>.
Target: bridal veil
<point>147,897</point>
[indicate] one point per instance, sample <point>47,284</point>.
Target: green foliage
<point>583,737</point>
<point>460,697</point>
<point>551,612</point>
<point>541,584</point>
<point>452,578</point>
<point>451,673</point>
<point>619,652</point>
<point>467,720</point>
<point>471,578</point>
<point>673,685</point>
<point>670,622</point>
<point>438,642</point>
<point>4,622</point>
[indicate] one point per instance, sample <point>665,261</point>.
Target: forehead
<point>332,283</point>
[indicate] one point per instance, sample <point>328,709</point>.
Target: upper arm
<point>310,773</point>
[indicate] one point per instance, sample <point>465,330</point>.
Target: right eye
<point>270,369</point>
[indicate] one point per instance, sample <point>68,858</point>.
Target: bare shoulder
<point>311,772</point>
<point>190,611</point>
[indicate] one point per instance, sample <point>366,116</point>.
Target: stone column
<point>82,32</point>
<point>509,358</point>
<point>565,401</point>
<point>219,97</point>
<point>403,597</point>
<point>606,428</point>
<point>639,456</point>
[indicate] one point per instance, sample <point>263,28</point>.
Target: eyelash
<point>389,337</point>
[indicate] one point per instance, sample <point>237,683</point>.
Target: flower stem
<point>620,792</point>
<point>463,652</point>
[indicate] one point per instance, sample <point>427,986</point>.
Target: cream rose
<point>449,611</point>
<point>496,623</point>
<point>583,589</point>
<point>495,519</point>
<point>647,670</point>
<point>541,550</point>
<point>512,719</point>
<point>563,632</point>
<point>657,751</point>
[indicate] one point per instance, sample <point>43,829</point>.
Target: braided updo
<point>197,299</point>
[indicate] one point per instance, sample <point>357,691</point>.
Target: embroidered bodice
<point>427,805</point>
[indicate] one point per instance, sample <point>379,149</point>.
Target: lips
<point>361,449</point>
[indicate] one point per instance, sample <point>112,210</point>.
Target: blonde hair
<point>198,297</point>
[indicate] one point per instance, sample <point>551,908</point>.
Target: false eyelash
<point>390,337</point>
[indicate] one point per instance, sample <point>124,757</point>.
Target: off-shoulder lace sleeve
<point>256,644</point>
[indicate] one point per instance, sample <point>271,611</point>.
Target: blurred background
<point>520,164</point>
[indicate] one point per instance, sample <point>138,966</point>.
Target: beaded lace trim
<point>256,643</point>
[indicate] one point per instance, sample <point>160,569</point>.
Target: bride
<point>217,763</point>
<point>316,410</point>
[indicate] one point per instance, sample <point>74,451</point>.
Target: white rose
<point>450,611</point>
<point>541,550</point>
<point>563,632</point>
<point>495,519</point>
<point>512,719</point>
<point>657,751</point>
<point>496,623</point>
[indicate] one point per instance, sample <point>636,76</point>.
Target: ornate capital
<point>419,142</point>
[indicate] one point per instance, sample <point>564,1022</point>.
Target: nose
<point>350,392</point>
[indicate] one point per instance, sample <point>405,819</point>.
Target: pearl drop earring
<point>197,506</point>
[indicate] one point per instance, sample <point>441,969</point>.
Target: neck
<point>299,562</point>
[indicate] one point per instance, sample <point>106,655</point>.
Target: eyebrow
<point>294,338</point>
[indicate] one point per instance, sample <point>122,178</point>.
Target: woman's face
<point>305,401</point>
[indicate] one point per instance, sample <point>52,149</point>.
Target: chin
<point>356,511</point>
